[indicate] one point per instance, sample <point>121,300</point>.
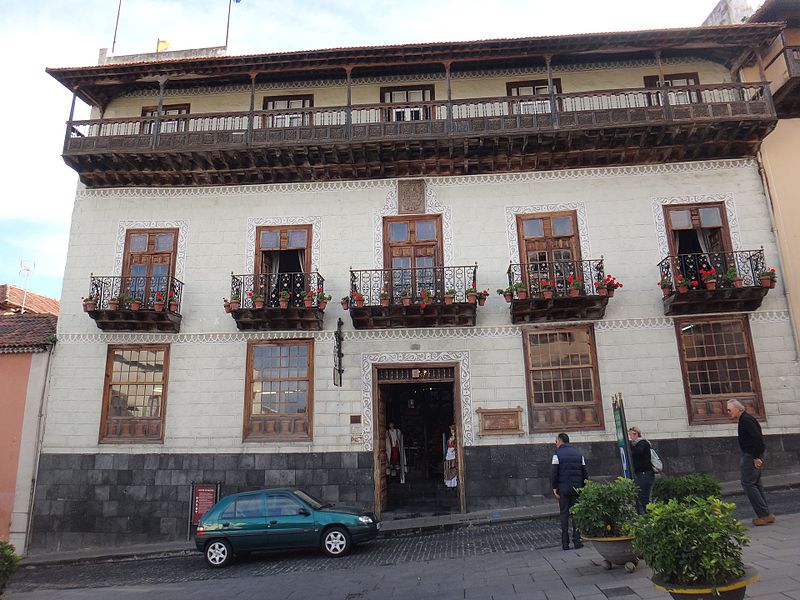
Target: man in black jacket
<point>643,473</point>
<point>751,442</point>
<point>567,475</point>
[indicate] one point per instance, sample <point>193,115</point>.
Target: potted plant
<point>405,296</point>
<point>547,286</point>
<point>666,285</point>
<point>482,296</point>
<point>521,290</point>
<point>158,302</point>
<point>684,284</point>
<point>8,563</point>
<point>258,299</point>
<point>308,298</point>
<point>358,299</point>
<point>346,302</point>
<point>226,304</point>
<point>767,278</point>
<point>425,298</point>
<point>602,290</point>
<point>574,284</point>
<point>694,547</point>
<point>135,303</point>
<point>283,298</point>
<point>611,284</point>
<point>90,302</point>
<point>507,293</point>
<point>235,301</point>
<point>383,295</point>
<point>684,486</point>
<point>322,299</point>
<point>472,294</point>
<point>732,277</point>
<point>603,513</point>
<point>450,296</point>
<point>709,277</point>
<point>173,301</point>
<point>114,302</point>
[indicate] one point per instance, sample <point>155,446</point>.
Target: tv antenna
<point>25,270</point>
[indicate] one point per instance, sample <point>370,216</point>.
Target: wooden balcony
<point>136,303</point>
<point>786,83</point>
<point>260,304</point>
<point>465,136</point>
<point>740,291</point>
<point>421,297</point>
<point>551,291</point>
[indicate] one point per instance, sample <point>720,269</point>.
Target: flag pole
<point>116,26</point>
<point>228,25</point>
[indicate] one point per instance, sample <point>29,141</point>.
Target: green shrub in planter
<point>694,541</point>
<point>8,563</point>
<point>605,510</point>
<point>700,485</point>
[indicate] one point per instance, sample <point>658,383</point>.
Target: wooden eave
<point>100,84</point>
<point>787,11</point>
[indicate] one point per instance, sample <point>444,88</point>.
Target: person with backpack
<point>567,475</point>
<point>643,471</point>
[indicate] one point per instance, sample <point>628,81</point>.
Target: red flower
<point>694,283</point>
<point>250,294</point>
<point>171,294</point>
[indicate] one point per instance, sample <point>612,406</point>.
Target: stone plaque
<point>411,196</point>
<point>500,421</point>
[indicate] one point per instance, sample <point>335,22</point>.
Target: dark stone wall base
<point>509,476</point>
<point>93,500</point>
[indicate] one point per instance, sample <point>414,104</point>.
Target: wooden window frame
<point>727,245</point>
<point>597,406</point>
<point>148,128</point>
<point>126,253</point>
<point>107,383</point>
<point>721,417</point>
<point>534,83</point>
<point>309,228</point>
<point>388,244</point>
<point>428,113</point>
<point>278,436</point>
<point>304,97</point>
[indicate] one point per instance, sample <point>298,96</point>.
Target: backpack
<point>655,460</point>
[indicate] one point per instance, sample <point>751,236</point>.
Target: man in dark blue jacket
<point>567,475</point>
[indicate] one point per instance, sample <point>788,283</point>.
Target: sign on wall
<point>204,497</point>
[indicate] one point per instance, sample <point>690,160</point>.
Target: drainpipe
<point>768,197</point>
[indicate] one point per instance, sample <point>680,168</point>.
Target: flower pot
<point>737,282</point>
<point>258,304</point>
<point>472,298</point>
<point>308,302</point>
<point>711,285</point>
<point>89,306</point>
<point>113,305</point>
<point>346,304</point>
<point>575,292</point>
<point>602,291</point>
<point>136,305</point>
<point>234,304</point>
<point>359,303</point>
<point>732,590</point>
<point>666,291</point>
<point>225,305</point>
<point>772,282</point>
<point>611,292</point>
<point>406,300</point>
<point>449,299</point>
<point>481,301</point>
<point>615,551</point>
<point>283,302</point>
<point>765,282</point>
<point>173,306</point>
<point>509,297</point>
<point>682,289</point>
<point>384,302</point>
<point>158,306</point>
<point>522,294</point>
<point>322,304</point>
<point>548,294</point>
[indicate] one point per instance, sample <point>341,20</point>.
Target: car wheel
<point>336,542</point>
<point>219,553</point>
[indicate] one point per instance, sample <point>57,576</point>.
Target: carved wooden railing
<point>744,264</point>
<point>425,119</point>
<point>557,276</point>
<point>425,284</point>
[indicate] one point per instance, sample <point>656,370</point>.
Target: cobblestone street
<point>491,562</point>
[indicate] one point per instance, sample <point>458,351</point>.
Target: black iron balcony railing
<point>147,290</point>
<point>422,284</point>
<point>733,269</point>
<point>557,276</point>
<point>270,287</point>
<point>570,111</point>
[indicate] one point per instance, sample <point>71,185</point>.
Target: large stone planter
<point>615,551</point>
<point>733,590</point>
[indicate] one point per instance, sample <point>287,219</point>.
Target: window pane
<point>710,217</point>
<point>249,507</point>
<point>415,96</point>
<point>297,238</point>
<point>398,232</point>
<point>281,506</point>
<point>533,228</point>
<point>680,219</point>
<point>164,242</point>
<point>138,243</point>
<point>399,96</point>
<point>270,240</point>
<point>426,230</point>
<point>562,226</point>
<point>525,90</point>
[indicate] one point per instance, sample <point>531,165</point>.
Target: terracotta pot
<point>522,294</point>
<point>711,285</point>
<point>384,302</point>
<point>173,306</point>
<point>765,282</point>
<point>258,304</point>
<point>737,282</point>
<point>89,306</point>
<point>682,289</point>
<point>234,304</point>
<point>359,303</point>
<point>225,305</point>
<point>113,305</point>
<point>575,292</point>
<point>548,294</point>
<point>611,292</point>
<point>448,299</point>
<point>136,305</point>
<point>283,303</point>
<point>481,301</point>
<point>772,282</point>
<point>615,550</point>
<point>308,302</point>
<point>158,306</point>
<point>472,298</point>
<point>322,304</point>
<point>509,297</point>
<point>602,291</point>
<point>346,304</point>
<point>406,300</point>
<point>666,291</point>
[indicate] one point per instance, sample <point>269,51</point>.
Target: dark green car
<point>280,519</point>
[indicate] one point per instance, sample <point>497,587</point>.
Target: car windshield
<point>308,499</point>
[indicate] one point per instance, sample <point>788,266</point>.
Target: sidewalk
<point>389,528</point>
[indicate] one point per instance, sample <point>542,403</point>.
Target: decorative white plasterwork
<point>462,358</point>
<point>254,222</point>
<point>661,230</point>
<point>432,206</point>
<point>180,259</point>
<point>511,225</point>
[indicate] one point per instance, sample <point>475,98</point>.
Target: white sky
<point>39,188</point>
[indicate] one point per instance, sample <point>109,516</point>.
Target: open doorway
<point>412,476</point>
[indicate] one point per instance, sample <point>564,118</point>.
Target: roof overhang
<point>778,10</point>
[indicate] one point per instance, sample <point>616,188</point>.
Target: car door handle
<point>226,524</point>
<point>273,522</point>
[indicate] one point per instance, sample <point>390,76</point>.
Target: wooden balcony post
<point>449,97</point>
<point>662,84</point>
<point>162,81</point>
<point>69,120</point>
<point>349,111</point>
<point>762,75</point>
<point>550,91</point>
<point>250,117</point>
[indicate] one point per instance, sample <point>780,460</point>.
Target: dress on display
<point>450,470</point>
<point>395,454</point>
